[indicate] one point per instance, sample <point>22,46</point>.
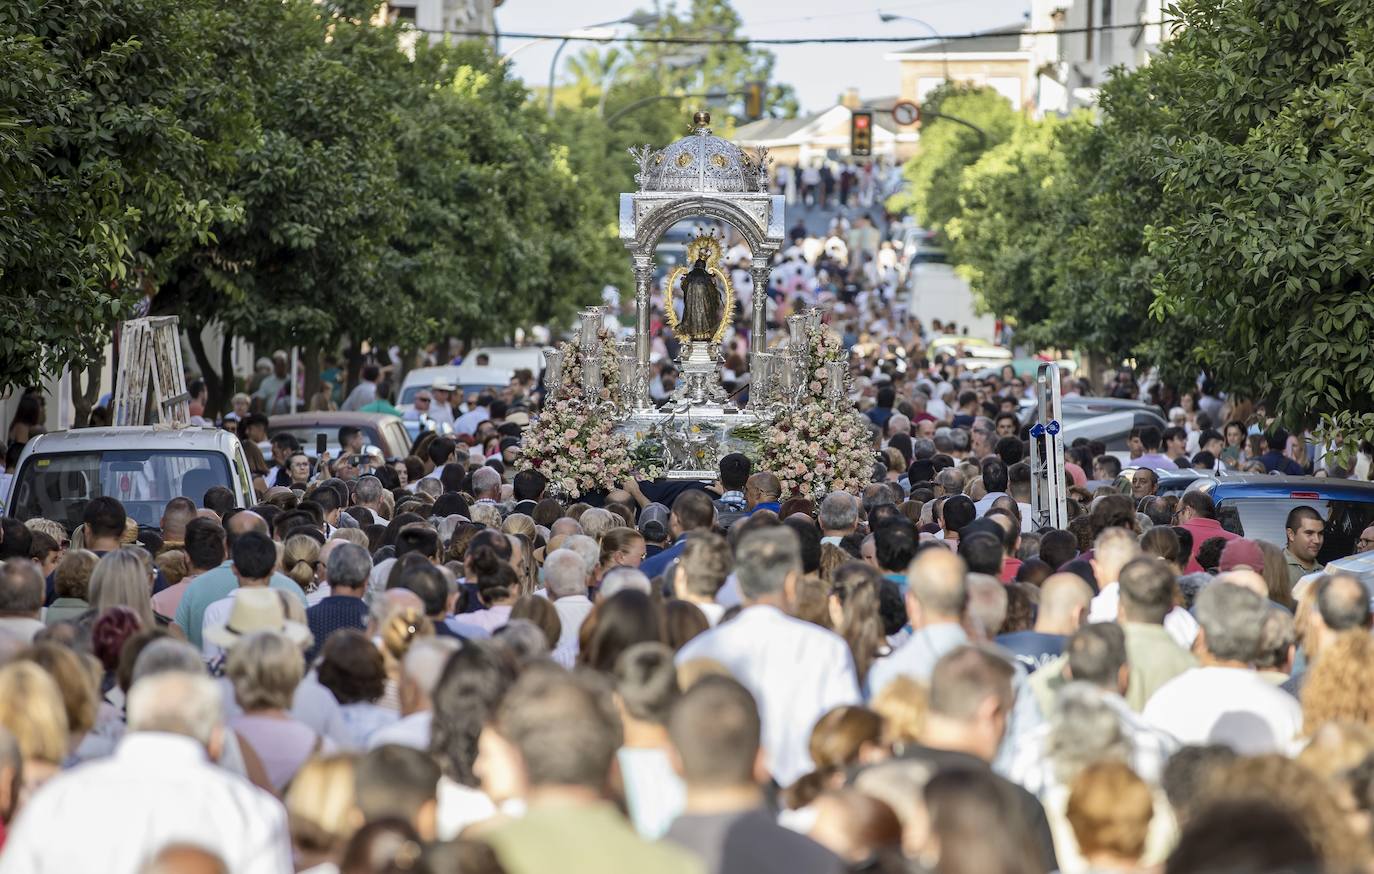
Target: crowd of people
<point>440,666</point>
<point>436,663</point>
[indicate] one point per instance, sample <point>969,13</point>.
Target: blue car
<point>1262,504</point>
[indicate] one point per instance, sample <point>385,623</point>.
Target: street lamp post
<point>888,18</point>
<point>594,31</point>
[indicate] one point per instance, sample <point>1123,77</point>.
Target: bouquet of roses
<point>819,447</point>
<point>577,449</point>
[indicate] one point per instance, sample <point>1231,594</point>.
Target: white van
<point>144,467</point>
<point>511,358</point>
<point>466,379</point>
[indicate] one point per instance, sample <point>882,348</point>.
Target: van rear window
<point>58,486</point>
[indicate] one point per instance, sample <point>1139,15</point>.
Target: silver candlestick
<point>553,373</point>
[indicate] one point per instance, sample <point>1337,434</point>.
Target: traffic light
<point>753,100</point>
<point>861,134</point>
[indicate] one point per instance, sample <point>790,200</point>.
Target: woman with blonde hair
<point>31,709</point>
<point>322,810</point>
<point>300,560</point>
<point>1340,685</point>
<point>124,578</point>
<point>519,523</point>
<point>72,580</point>
<point>902,704</point>
<point>80,692</point>
<point>1110,809</point>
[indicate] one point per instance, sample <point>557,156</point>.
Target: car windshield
<point>58,486</point>
<point>409,392</point>
<point>1264,519</point>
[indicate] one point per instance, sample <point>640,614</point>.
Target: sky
<point>819,73</point>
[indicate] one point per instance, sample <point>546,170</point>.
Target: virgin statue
<point>702,306</point>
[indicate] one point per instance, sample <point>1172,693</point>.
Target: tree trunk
<point>213,385</point>
<point>353,363</point>
<point>84,398</point>
<point>227,382</point>
<point>310,360</point>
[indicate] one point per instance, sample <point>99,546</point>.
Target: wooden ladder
<point>151,357</point>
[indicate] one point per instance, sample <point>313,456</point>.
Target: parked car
<point>382,430</point>
<point>1107,419</point>
<point>1263,503</point>
<point>972,353</point>
<point>143,466</point>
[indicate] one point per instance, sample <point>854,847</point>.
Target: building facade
<point>996,59</point>
<point>1103,34</point>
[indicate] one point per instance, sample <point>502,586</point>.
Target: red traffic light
<point>861,122</point>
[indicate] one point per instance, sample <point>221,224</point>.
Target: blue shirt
<point>656,565</point>
<point>334,613</point>
<point>1032,648</point>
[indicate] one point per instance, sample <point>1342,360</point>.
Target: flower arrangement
<point>823,346</point>
<point>577,449</point>
<point>610,366</point>
<point>819,447</point>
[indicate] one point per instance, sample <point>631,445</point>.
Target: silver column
<point>758,334</point>
<point>644,278</point>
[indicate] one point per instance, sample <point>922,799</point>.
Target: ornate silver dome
<point>701,161</point>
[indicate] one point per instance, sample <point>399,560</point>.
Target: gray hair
<point>597,521</point>
<point>429,486</point>
<point>923,447</point>
<point>586,549</point>
<point>485,479</point>
<point>960,439</point>
<point>951,479</point>
<point>368,490</point>
<point>21,587</point>
<point>619,579</point>
<point>987,602</point>
<point>178,702</point>
<point>424,662</point>
<point>167,654</point>
<point>1277,635</point>
<point>565,573</point>
<point>524,640</point>
<point>899,424</point>
<point>349,566</point>
<point>1096,653</point>
<point>1232,619</point>
<point>765,559</point>
<point>839,511</point>
<point>1083,730</point>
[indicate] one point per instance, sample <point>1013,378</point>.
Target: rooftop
<point>1000,39</point>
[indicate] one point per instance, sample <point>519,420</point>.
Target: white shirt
<point>409,731</point>
<point>572,612</point>
<point>796,672</point>
<point>216,614</point>
<point>157,789</point>
<point>1180,624</point>
<point>468,422</point>
<point>1231,706</point>
<point>460,806</point>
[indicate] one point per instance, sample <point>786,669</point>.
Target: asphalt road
<point>937,292</point>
